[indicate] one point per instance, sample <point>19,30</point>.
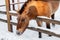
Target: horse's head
<point>24,17</point>
<point>23,21</point>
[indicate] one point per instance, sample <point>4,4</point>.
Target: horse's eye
<point>23,20</point>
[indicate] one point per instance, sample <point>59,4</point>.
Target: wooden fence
<point>31,28</point>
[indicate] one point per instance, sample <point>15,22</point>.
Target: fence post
<point>8,15</point>
<point>18,5</point>
<point>9,4</point>
<point>13,5</point>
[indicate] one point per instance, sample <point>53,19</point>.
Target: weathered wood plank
<point>18,4</point>
<point>8,15</point>
<point>44,31</point>
<point>12,4</point>
<point>48,20</point>
<point>36,29</point>
<point>41,19</point>
<point>9,4</point>
<point>4,12</point>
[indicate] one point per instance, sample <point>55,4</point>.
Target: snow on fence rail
<point>47,31</point>
<point>43,30</point>
<point>38,18</point>
<point>12,4</point>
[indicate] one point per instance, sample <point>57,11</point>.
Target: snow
<point>43,17</point>
<point>28,34</point>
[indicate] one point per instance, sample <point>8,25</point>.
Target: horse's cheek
<point>18,25</point>
<point>26,24</point>
<point>25,27</point>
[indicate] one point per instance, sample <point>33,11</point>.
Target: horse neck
<point>32,12</point>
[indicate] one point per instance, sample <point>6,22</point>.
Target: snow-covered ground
<point>28,34</point>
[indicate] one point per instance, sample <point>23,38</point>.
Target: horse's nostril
<point>18,33</point>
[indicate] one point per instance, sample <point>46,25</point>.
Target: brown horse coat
<point>44,8</point>
<point>34,9</point>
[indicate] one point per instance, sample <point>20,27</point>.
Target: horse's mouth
<point>19,33</point>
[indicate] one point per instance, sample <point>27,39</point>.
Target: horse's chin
<point>22,28</point>
<point>20,31</point>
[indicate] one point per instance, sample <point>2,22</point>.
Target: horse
<point>33,8</point>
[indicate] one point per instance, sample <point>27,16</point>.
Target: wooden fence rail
<point>12,4</point>
<point>46,31</point>
<point>12,14</point>
<point>49,20</point>
<point>41,19</point>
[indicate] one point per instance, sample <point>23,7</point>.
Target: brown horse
<point>32,9</point>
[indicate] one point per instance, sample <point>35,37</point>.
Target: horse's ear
<point>32,11</point>
<point>18,12</point>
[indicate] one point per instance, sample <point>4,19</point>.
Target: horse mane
<point>23,7</point>
<point>25,4</point>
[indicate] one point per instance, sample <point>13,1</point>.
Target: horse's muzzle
<point>19,33</point>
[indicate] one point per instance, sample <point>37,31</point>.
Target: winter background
<point>28,34</point>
